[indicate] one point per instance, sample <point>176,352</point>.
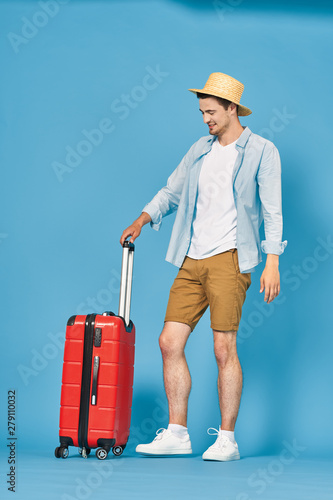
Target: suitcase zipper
<point>86,380</point>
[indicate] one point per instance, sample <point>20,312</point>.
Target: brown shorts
<point>215,282</point>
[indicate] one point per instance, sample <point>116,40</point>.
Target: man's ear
<point>233,106</point>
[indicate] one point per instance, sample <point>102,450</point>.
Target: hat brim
<point>242,110</point>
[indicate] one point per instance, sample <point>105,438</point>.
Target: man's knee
<point>225,347</point>
<point>173,338</point>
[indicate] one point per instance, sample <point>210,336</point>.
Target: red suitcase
<point>97,377</point>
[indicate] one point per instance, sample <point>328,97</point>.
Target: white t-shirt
<point>215,218</point>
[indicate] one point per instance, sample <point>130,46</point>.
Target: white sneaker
<point>223,449</point>
<point>166,443</point>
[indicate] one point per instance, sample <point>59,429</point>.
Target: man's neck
<point>231,135</point>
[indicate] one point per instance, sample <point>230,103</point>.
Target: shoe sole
<point>216,458</point>
<point>164,453</point>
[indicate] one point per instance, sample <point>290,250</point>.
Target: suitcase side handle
<point>94,384</point>
<point>126,281</point>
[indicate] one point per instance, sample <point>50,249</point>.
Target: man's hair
<point>224,102</point>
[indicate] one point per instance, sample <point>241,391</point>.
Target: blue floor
<point>41,476</point>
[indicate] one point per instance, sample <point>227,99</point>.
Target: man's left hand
<point>270,278</point>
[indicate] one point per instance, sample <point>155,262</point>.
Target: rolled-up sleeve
<point>167,199</point>
<point>269,181</point>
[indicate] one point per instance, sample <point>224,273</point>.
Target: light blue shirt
<point>256,182</point>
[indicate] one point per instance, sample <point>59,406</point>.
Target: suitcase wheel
<point>101,454</point>
<point>61,452</point>
<point>84,452</point>
<point>117,450</point>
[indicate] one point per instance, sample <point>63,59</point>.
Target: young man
<point>224,187</point>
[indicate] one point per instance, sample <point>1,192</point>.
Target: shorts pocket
<point>185,261</point>
<point>248,280</point>
<point>234,256</point>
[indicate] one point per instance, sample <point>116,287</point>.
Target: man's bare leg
<point>177,378</point>
<point>177,381</point>
<point>230,377</point>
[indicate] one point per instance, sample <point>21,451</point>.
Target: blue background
<point>59,236</point>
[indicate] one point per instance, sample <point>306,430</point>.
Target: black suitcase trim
<point>107,444</point>
<point>66,441</point>
<point>86,380</point>
<point>129,327</point>
<point>71,321</point>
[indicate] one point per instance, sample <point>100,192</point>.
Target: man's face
<point>214,115</point>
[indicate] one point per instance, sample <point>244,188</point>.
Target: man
<point>225,186</point>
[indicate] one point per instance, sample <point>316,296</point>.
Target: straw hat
<point>221,85</point>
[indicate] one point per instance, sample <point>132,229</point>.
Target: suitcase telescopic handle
<point>126,281</point>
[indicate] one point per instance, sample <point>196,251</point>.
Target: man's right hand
<point>134,229</point>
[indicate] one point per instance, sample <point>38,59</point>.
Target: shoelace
<point>159,433</point>
<point>220,442</point>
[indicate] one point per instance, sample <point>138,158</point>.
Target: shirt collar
<point>244,137</point>
<point>241,141</point>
